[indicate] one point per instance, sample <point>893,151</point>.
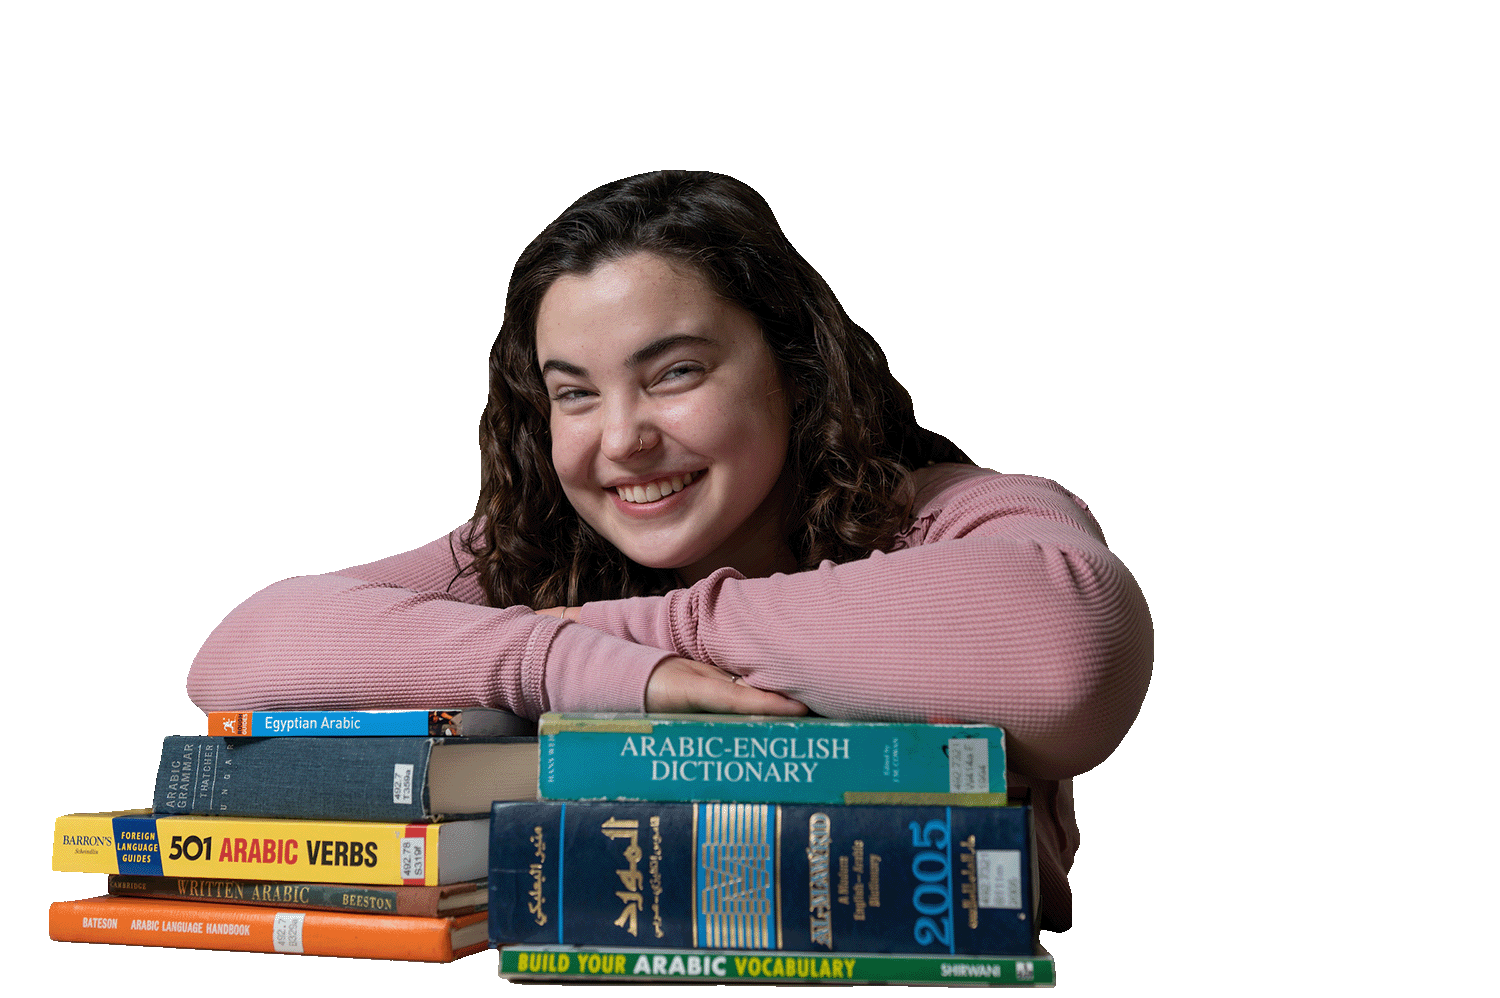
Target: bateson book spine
<point>188,925</point>
<point>773,760</point>
<point>803,878</point>
<point>349,779</point>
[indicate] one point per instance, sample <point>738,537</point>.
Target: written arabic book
<point>428,902</point>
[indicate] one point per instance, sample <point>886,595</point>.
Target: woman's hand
<point>683,686</point>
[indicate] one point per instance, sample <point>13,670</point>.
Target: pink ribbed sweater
<point>1001,604</point>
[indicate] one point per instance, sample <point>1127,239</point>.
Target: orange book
<point>134,921</point>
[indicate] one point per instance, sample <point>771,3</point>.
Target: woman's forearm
<point>1021,618</point>
<point>334,641</point>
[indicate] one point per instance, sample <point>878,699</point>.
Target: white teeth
<point>652,491</point>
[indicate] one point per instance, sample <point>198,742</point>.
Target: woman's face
<point>669,418</point>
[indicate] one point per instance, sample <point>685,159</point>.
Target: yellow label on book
<point>355,852</point>
<point>85,843</point>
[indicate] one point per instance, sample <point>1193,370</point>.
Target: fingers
<point>680,685</point>
<point>742,699</point>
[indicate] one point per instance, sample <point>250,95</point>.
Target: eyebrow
<point>646,353</point>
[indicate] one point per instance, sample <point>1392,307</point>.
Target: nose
<point>628,433</point>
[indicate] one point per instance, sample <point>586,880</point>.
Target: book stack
<point>341,833</point>
<point>715,849</point>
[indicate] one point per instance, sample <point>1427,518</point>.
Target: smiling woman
<point>669,422</point>
<point>702,489</point>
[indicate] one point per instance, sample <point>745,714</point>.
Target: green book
<point>712,966</point>
<point>786,760</point>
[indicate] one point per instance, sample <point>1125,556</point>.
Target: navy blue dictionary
<point>343,779</point>
<point>803,878</point>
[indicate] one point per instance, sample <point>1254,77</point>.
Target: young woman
<point>702,489</point>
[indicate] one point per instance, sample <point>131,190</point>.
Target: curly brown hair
<point>854,436</point>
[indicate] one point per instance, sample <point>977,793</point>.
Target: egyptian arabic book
<point>467,721</point>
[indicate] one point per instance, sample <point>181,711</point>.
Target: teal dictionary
<point>738,758</point>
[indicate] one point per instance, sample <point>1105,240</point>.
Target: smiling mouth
<point>652,491</point>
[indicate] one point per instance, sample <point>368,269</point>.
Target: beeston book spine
<point>351,779</point>
<point>812,761</point>
<point>809,878</point>
<point>428,902</point>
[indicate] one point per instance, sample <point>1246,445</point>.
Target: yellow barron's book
<point>353,852</point>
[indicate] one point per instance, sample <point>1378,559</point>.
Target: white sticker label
<point>999,875</point>
<point>413,859</point>
<point>969,765</point>
<point>286,932</point>
<point>401,786</point>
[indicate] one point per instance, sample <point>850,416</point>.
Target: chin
<point>667,563</point>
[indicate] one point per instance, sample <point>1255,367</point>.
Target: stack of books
<point>717,849</point>
<point>341,833</point>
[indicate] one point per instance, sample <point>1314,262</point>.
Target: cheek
<point>739,434</point>
<point>569,457</point>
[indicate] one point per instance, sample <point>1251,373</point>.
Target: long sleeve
<point>1005,607</point>
<point>408,631</point>
<point>1002,605</point>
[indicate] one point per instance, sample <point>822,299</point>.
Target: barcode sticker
<point>969,765</point>
<point>286,932</point>
<point>999,876</point>
<point>401,784</point>
<point>413,859</point>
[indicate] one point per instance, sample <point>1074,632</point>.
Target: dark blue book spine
<point>340,779</point>
<point>803,878</point>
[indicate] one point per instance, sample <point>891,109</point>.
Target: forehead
<point>639,297</point>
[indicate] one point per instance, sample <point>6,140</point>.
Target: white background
<point>1226,271</point>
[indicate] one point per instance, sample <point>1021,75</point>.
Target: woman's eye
<point>569,394</point>
<point>680,371</point>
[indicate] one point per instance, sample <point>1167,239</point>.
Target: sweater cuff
<point>641,619</point>
<point>588,670</point>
